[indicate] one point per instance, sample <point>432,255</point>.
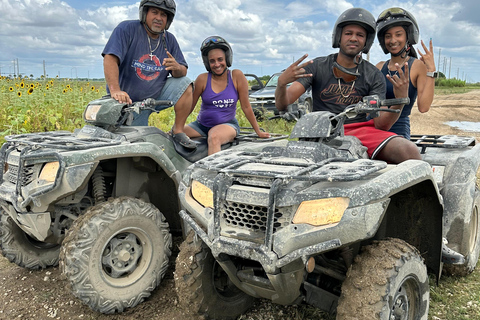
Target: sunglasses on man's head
<point>391,12</point>
<point>170,4</point>
<point>346,75</point>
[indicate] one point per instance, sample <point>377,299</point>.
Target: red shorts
<point>372,138</point>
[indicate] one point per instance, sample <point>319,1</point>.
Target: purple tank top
<point>218,108</point>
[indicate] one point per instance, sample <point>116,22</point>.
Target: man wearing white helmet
<point>343,78</point>
<point>143,60</point>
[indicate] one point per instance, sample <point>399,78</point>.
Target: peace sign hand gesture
<point>294,71</point>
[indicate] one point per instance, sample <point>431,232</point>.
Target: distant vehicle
<point>262,98</point>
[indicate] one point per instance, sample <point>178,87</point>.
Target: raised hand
<point>427,57</point>
<point>170,63</point>
<point>294,71</point>
<point>400,81</point>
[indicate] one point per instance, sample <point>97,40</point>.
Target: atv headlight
<point>202,193</point>
<point>321,212</point>
<point>92,111</point>
<point>49,171</point>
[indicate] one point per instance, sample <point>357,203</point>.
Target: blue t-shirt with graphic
<point>141,73</point>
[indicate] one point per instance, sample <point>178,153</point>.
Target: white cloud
<point>266,35</point>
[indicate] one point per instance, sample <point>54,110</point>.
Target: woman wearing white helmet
<point>220,90</point>
<point>397,31</point>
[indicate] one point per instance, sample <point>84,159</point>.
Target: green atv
<point>101,201</point>
<point>317,222</point>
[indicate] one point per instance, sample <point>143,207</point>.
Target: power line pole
<point>450,68</point>
<point>439,55</point>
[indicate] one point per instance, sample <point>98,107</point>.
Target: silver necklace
<point>351,88</point>
<point>349,92</point>
<point>150,46</point>
<point>396,71</point>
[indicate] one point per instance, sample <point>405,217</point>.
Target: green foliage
<point>442,82</point>
<point>453,90</point>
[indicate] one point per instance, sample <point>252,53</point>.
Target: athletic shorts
<point>372,138</point>
<point>203,130</point>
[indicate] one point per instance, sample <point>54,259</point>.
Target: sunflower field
<point>45,104</point>
<point>57,104</point>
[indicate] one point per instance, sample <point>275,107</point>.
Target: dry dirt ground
<point>41,294</point>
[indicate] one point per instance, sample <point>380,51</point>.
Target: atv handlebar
<point>148,104</point>
<point>393,102</point>
<point>371,105</point>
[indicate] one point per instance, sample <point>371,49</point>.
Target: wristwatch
<point>432,74</point>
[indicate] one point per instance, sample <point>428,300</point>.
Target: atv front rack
<point>437,141</point>
<point>263,165</point>
<point>59,140</point>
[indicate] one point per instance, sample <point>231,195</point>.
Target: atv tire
<point>471,247</point>
<point>116,254</point>
<point>23,250</point>
<point>203,288</point>
<point>387,281</point>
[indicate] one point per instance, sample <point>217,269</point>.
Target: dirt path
<point>26,294</point>
<point>454,107</point>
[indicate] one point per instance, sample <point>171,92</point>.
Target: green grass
<point>455,90</point>
<point>456,298</point>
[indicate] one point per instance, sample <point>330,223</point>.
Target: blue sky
<point>266,35</point>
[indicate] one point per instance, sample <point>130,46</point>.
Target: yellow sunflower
<point>22,85</point>
<point>11,89</point>
<point>30,91</point>
<point>93,88</point>
<point>19,93</point>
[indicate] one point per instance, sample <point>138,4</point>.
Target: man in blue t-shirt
<point>142,60</point>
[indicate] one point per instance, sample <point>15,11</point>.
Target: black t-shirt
<point>327,94</point>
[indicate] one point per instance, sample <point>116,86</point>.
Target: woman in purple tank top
<point>220,90</point>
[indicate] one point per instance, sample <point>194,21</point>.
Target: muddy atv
<point>317,222</point>
<point>102,201</point>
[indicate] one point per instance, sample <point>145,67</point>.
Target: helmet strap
<point>219,75</point>
<point>404,52</point>
<point>150,30</point>
<point>358,58</point>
